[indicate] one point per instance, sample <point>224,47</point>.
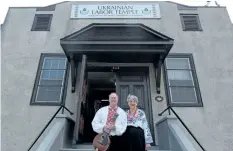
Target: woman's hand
<point>147,146</point>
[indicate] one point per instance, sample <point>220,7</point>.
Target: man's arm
<point>96,123</point>
<point>122,125</point>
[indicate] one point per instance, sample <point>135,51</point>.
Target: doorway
<point>100,85</point>
<point>124,80</point>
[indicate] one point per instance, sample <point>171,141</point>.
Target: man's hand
<point>108,128</point>
<point>112,127</point>
<point>147,146</point>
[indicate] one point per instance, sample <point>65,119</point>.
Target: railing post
<point>169,111</point>
<point>71,113</point>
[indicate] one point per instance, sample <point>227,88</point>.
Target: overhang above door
<point>126,43</point>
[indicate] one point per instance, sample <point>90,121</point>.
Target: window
<point>42,22</point>
<point>51,80</point>
<point>190,22</point>
<point>181,81</point>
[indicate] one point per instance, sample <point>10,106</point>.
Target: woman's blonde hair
<point>132,97</point>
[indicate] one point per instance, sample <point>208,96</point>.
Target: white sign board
<point>116,11</point>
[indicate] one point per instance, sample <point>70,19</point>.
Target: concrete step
<point>90,148</point>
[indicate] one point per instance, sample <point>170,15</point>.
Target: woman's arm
<point>147,133</point>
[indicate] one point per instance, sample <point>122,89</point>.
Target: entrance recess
<point>117,43</point>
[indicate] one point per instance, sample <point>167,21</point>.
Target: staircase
<point>90,148</point>
<point>171,137</point>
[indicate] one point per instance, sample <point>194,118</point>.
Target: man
<point>103,121</point>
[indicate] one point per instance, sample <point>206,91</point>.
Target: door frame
<point>134,65</point>
<point>81,71</point>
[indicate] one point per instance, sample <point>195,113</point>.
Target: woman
<point>137,136</point>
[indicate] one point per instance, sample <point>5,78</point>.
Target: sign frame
<point>116,11</point>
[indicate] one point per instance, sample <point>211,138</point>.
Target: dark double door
<point>134,83</point>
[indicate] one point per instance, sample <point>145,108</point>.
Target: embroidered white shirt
<point>100,120</point>
<point>140,121</point>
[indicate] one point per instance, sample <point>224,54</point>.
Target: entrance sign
<point>116,11</point>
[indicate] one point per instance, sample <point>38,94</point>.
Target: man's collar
<point>113,107</point>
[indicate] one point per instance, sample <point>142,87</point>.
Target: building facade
<point>180,56</point>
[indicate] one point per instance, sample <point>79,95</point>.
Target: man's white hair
<point>132,97</point>
<point>112,94</point>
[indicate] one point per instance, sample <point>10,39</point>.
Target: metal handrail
<point>170,108</point>
<point>46,126</point>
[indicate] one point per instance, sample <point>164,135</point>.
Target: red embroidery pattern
<point>134,115</point>
<point>111,113</point>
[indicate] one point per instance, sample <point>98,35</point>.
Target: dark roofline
<point>120,24</point>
